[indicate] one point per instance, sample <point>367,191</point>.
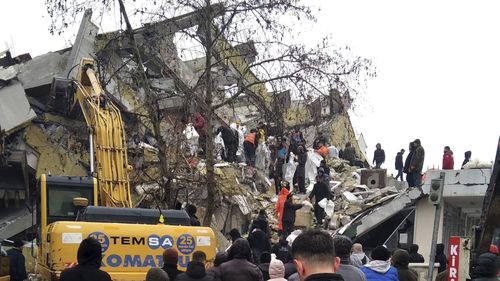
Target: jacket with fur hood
<point>380,271</point>
<point>277,270</point>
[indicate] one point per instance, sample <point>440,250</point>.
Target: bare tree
<point>247,49</point>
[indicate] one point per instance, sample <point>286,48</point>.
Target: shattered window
<point>60,199</point>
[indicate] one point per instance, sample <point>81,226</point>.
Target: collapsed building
<point>40,135</point>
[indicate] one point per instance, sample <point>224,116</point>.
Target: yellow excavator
<point>71,209</point>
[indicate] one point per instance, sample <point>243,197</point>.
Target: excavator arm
<point>107,138</point>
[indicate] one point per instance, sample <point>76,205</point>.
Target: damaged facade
<point>40,135</point>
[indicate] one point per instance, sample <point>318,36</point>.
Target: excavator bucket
<point>14,178</point>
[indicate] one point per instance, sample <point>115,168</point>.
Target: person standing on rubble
<point>322,150</point>
<point>399,164</point>
<point>191,210</point>
<point>300,172</point>
<point>467,156</point>
<point>280,161</point>
<point>200,125</point>
<point>448,161</point>
<point>320,191</point>
<point>417,162</point>
<point>406,168</point>
<point>262,223</point>
<point>289,214</point>
<point>349,154</point>
<point>249,146</point>
<point>378,156</point>
<point>230,138</point>
<point>280,207</point>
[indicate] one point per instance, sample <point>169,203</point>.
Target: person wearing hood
<point>400,260</point>
<point>17,267</point>
<point>280,206</point>
<point>448,161</point>
<point>191,210</point>
<point>196,269</point>
<point>261,222</point>
<point>289,214</point>
<point>343,246</point>
<point>487,268</point>
<point>239,266</point>
<point>170,260</point>
<point>358,257</point>
<point>89,257</point>
<point>379,269</point>
<point>441,257</point>
<point>300,172</point>
<point>415,257</point>
<point>156,274</point>
<point>378,156</point>
<point>277,271</point>
<point>259,243</point>
<point>265,261</point>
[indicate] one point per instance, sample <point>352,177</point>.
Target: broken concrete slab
<point>42,69</point>
<point>15,110</point>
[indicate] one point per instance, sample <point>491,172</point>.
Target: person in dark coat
<point>300,172</point>
<point>265,260</point>
<point>239,266</point>
<point>399,164</point>
<point>17,266</point>
<point>415,257</point>
<point>400,260</point>
<point>283,252</point>
<point>230,138</point>
<point>406,168</point>
<point>234,234</point>
<point>378,156</point>
<point>191,210</point>
<point>289,215</point>
<point>261,222</point>
<point>467,156</point>
<point>170,260</point>
<point>89,257</point>
<point>349,153</point>
<point>259,243</point>
<point>320,191</point>
<point>220,258</point>
<point>417,162</point>
<point>441,257</point>
<point>196,269</point>
<point>487,268</point>
<point>315,258</point>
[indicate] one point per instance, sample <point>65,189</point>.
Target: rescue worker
<point>288,219</point>
<point>320,191</point>
<point>89,258</point>
<point>280,206</point>
<point>378,156</point>
<point>249,146</point>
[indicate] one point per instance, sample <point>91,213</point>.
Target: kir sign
<point>454,257</point>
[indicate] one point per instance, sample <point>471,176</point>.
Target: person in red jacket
<point>200,125</point>
<point>280,207</point>
<point>448,159</point>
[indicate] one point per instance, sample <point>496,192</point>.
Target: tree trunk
<point>152,109</point>
<point>211,187</point>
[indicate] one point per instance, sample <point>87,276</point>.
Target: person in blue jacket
<point>379,268</point>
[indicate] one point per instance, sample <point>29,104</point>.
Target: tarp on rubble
<point>14,107</point>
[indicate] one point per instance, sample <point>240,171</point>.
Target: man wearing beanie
<point>379,269</point>
<point>487,268</point>
<point>277,270</point>
<point>89,258</point>
<point>170,260</point>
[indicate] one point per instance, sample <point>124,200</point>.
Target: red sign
<point>453,254</point>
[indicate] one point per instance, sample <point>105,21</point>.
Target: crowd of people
<point>314,255</point>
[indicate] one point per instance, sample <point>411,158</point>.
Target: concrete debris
<point>15,111</point>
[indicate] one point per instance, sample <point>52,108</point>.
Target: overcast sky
<point>437,65</point>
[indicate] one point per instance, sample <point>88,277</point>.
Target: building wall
<point>424,223</point>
